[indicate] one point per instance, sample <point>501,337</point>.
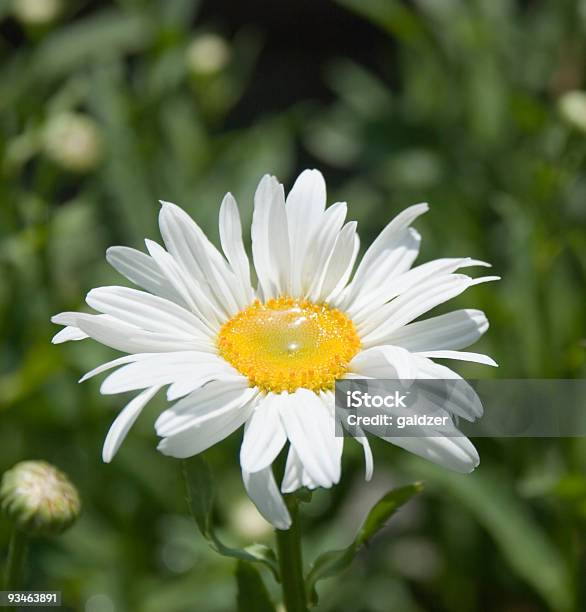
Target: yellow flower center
<point>285,344</point>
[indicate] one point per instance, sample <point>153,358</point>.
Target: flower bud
<point>36,12</point>
<point>38,498</point>
<point>572,106</point>
<point>207,54</point>
<point>73,141</point>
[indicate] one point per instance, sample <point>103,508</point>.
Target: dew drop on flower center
<point>285,344</point>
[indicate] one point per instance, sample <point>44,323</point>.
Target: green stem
<point>291,562</point>
<point>16,557</point>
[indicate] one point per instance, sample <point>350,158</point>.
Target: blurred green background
<point>475,106</point>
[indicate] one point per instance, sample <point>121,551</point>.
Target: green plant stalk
<point>17,550</point>
<point>291,561</point>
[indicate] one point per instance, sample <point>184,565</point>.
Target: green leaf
<point>252,593</point>
<point>125,169</point>
<point>333,562</point>
<point>111,31</point>
<point>201,493</point>
<point>178,14</point>
<point>488,496</point>
<point>385,508</point>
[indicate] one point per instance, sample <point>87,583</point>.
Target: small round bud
<point>207,54</point>
<point>572,107</point>
<point>36,12</point>
<point>38,498</point>
<point>73,141</point>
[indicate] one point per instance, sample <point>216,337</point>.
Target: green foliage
<point>333,562</point>
<point>200,499</point>
<point>527,548</point>
<point>455,102</point>
<point>252,594</point>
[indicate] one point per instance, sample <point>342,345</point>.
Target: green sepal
<point>333,562</point>
<point>304,495</point>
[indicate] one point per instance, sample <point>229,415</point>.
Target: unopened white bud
<point>73,141</point>
<point>38,498</point>
<point>36,12</point>
<point>207,54</point>
<point>572,106</point>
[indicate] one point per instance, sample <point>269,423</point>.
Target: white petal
<point>454,453</point>
<point>484,279</point>
<point>368,460</point>
<point>204,404</point>
<point>124,421</point>
<point>461,356</point>
<point>334,296</point>
<point>391,264</point>
<point>65,318</point>
<point>264,436</point>
<point>279,242</point>
<point>131,339</point>
<point>454,330</point>
<point>311,429</point>
<point>68,333</point>
<point>233,246</point>
<point>114,363</point>
<point>340,262</point>
<point>386,239</point>
<point>410,305</point>
<point>188,384</point>
<point>368,302</point>
<point>263,197</point>
<point>201,436</point>
<point>395,237</point>
<point>296,476</point>
<point>320,249</point>
<point>270,238</point>
<point>146,311</point>
<point>463,401</point>
<point>263,491</point>
<point>292,478</point>
<point>165,369</point>
<point>140,269</point>
<point>384,362</point>
<point>191,248</point>
<point>306,203</point>
<point>193,295</point>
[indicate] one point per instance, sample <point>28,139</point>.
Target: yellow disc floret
<point>285,344</point>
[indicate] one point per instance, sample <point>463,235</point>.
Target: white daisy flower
<point>267,357</point>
